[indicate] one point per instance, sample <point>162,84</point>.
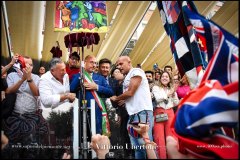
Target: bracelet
<point>66,94</point>
<point>30,80</point>
<point>146,140</point>
<point>150,142</point>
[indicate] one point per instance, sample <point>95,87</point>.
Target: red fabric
<point>71,71</point>
<point>161,130</point>
<point>22,62</point>
<point>224,148</point>
<point>182,91</point>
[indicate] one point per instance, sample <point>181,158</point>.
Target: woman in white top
<point>166,98</point>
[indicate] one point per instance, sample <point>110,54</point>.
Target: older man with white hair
<point>54,85</point>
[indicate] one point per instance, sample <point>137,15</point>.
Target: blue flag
<point>220,46</point>
<point>207,116</point>
<point>188,56</point>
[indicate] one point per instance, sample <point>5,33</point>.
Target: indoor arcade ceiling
<point>33,36</point>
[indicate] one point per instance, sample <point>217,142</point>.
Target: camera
<point>155,66</point>
<point>20,63</point>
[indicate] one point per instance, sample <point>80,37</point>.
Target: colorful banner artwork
<point>81,16</point>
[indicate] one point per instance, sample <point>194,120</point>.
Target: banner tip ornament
<point>81,40</point>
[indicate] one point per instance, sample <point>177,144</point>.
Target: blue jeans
<point>137,143</point>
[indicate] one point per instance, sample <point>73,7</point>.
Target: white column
<point>75,130</point>
<point>93,123</point>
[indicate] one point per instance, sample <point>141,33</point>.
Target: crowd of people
<point>141,109</point>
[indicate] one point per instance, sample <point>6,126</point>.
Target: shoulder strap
<point>105,122</point>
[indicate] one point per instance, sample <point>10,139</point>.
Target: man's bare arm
<point>133,86</point>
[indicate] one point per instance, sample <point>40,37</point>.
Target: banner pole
<point>5,17</point>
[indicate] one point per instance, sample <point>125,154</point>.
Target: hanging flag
<point>81,16</point>
<point>221,48</point>
<point>188,56</point>
<point>207,118</point>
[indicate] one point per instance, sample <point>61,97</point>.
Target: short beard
<point>150,81</point>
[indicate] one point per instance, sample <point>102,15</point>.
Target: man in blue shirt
<point>99,84</point>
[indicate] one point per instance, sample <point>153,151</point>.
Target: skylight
<point>139,29</point>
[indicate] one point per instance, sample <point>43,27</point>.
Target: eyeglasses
<point>74,58</point>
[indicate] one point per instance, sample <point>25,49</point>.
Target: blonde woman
<point>166,98</point>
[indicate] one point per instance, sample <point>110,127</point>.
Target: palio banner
<point>81,16</point>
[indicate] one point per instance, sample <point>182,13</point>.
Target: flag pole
<point>84,109</point>
<point>5,18</point>
<point>83,117</point>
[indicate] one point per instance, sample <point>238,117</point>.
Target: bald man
<point>99,84</point>
<point>137,97</point>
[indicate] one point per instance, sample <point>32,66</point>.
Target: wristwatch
<point>30,80</point>
<point>67,95</point>
<point>110,155</point>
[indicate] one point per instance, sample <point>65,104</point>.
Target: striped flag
<point>207,116</point>
<point>203,117</point>
<point>188,56</point>
<point>220,47</point>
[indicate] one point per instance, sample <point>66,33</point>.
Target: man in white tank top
<point>137,97</point>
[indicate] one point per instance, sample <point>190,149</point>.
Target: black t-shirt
<point>3,84</point>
